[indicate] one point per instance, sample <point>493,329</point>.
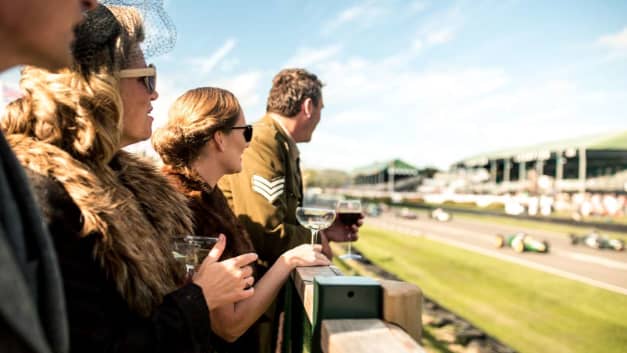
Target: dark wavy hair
<point>290,88</point>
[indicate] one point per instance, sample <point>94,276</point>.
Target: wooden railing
<point>330,313</point>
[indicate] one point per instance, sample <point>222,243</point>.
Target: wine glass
<point>349,213</point>
<point>315,219</point>
<point>190,250</point>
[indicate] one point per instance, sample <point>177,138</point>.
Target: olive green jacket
<point>265,194</point>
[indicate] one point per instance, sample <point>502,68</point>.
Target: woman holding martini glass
<point>203,140</point>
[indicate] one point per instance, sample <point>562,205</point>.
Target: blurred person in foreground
<point>32,307</point>
<point>111,214</point>
<point>266,193</point>
<point>203,140</point>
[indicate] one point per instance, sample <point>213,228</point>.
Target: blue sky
<point>430,82</point>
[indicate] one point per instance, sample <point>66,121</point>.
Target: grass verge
<point>529,310</point>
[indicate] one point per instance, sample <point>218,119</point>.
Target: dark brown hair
<point>290,88</point>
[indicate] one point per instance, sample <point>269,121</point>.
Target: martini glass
<point>190,250</point>
<point>315,219</point>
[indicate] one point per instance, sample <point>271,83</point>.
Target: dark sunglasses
<point>148,76</point>
<point>248,131</point>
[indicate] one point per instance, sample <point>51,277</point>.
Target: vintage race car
<point>440,215</point>
<point>406,213</point>
<point>372,210</point>
<point>521,242</point>
<point>597,241</point>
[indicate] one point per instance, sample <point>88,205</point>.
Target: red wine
<point>349,218</point>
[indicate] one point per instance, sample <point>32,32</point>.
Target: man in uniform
<point>32,306</point>
<point>266,193</point>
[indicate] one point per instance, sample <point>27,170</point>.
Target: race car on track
<point>440,215</point>
<point>372,210</point>
<point>521,242</point>
<point>597,241</point>
<point>406,213</point>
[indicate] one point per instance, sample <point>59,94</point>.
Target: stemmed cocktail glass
<point>315,219</point>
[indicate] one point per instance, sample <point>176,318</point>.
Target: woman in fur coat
<point>203,139</point>
<point>111,214</point>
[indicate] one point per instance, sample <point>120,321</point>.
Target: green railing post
<point>294,321</point>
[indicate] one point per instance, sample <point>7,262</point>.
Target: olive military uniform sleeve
<point>265,194</point>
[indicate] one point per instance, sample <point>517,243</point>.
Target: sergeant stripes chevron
<point>268,189</point>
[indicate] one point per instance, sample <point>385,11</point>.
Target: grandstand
<point>391,175</point>
<point>591,163</point>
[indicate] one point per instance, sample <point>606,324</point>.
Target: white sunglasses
<point>149,74</point>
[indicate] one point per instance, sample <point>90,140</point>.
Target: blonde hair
<point>79,109</point>
<point>193,119</point>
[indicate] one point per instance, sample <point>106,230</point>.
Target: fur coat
<point>128,208</point>
<point>211,212</point>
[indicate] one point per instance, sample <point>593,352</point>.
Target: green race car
<point>521,242</point>
<point>597,241</point>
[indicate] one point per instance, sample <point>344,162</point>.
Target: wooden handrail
<point>401,306</point>
<point>365,336</point>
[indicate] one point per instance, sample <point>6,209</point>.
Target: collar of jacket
<point>130,210</point>
<point>186,183</point>
<point>288,142</point>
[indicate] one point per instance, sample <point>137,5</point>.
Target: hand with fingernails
<point>227,281</point>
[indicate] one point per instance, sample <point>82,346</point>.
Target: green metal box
<point>344,297</point>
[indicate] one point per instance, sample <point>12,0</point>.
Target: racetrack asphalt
<point>601,268</point>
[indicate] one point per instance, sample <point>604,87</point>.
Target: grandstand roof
<point>395,166</point>
<point>608,141</point>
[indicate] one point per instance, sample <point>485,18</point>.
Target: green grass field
<point>529,310</point>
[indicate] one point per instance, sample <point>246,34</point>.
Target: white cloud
<point>615,44</point>
<point>418,44</point>
<point>440,28</point>
<point>306,57</point>
<point>417,6</point>
<point>229,65</point>
<point>336,149</point>
<point>383,109</point>
<point>423,41</point>
<point>351,117</point>
<point>206,65</point>
<point>246,87</point>
<point>364,15</point>
<point>436,87</point>
<point>616,41</point>
<point>440,36</point>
